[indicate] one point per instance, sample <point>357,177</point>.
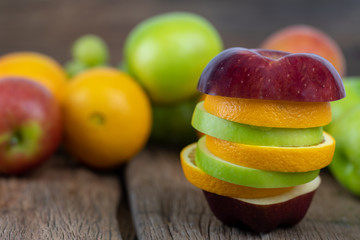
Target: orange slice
<point>270,158</point>
<point>269,113</point>
<point>208,183</point>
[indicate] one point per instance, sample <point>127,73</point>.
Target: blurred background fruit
<point>352,99</point>
<point>167,53</point>
<point>172,124</point>
<point>345,128</point>
<point>90,50</point>
<point>107,117</point>
<point>87,51</point>
<point>346,163</point>
<point>35,66</point>
<point>73,67</point>
<point>307,39</point>
<point>30,124</point>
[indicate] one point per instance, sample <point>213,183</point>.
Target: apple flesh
<point>30,125</point>
<point>307,39</point>
<point>264,214</point>
<point>227,130</point>
<point>271,75</point>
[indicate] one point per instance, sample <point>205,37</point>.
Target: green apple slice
<point>214,126</point>
<point>245,176</point>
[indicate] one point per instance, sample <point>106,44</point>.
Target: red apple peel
<point>271,75</point>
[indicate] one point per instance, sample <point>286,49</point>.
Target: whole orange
<point>36,66</point>
<point>107,117</point>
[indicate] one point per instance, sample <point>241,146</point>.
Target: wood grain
<point>61,200</point>
<point>124,218</point>
<point>165,206</point>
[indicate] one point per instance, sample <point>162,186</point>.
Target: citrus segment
<point>107,117</point>
<point>253,135</point>
<point>202,180</point>
<point>249,177</point>
<point>38,67</point>
<point>269,113</point>
<point>280,159</point>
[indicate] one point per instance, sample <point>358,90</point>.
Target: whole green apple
<point>30,125</point>
<point>90,50</point>
<point>168,52</point>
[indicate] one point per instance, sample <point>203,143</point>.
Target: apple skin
<point>271,75</point>
<point>307,39</point>
<point>167,53</point>
<point>259,218</point>
<point>30,125</point>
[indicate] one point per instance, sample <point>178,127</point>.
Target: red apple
<point>30,124</point>
<point>264,214</point>
<point>307,39</point>
<point>271,75</point>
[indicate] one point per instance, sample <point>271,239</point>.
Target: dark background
<point>50,27</point>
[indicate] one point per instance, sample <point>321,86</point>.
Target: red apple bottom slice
<point>264,214</point>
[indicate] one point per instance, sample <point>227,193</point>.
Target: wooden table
<point>149,198</point>
<point>65,200</point>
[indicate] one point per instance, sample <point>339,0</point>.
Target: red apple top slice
<point>271,75</point>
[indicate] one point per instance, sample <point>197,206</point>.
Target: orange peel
<point>204,181</point>
<point>269,113</point>
<point>271,158</point>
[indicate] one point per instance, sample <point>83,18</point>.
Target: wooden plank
<point>60,200</point>
<point>124,219</point>
<point>165,206</point>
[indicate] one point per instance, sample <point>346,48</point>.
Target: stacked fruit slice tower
<point>263,145</point>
